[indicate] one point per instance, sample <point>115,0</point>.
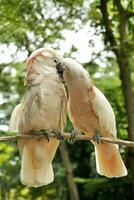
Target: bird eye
<point>56,61</point>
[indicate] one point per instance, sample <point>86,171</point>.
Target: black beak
<point>60,70</point>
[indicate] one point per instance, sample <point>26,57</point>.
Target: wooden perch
<point>68,136</point>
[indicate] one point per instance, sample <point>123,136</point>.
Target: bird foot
<point>41,132</point>
<point>74,134</point>
<point>96,137</point>
<point>58,134</point>
<point>45,133</point>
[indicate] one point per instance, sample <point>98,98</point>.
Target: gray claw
<point>58,134</point>
<point>44,133</point>
<point>97,136</point>
<point>74,134</point>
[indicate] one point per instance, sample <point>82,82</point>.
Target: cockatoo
<point>92,114</point>
<point>43,107</point>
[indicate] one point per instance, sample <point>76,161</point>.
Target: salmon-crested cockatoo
<point>43,108</point>
<point>91,113</point>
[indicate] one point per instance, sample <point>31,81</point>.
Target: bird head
<point>41,62</point>
<point>44,57</point>
<point>72,72</point>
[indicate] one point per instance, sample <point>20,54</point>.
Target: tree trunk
<point>74,195</point>
<point>128,95</point>
<point>129,104</point>
<point>122,56</point>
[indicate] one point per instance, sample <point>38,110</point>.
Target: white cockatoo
<point>43,108</point>
<point>91,113</point>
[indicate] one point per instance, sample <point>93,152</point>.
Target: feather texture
<point>43,107</point>
<point>91,113</point>
<point>104,112</point>
<point>15,117</point>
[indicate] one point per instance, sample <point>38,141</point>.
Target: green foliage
<point>102,188</point>
<point>30,24</point>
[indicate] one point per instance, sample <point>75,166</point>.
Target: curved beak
<point>60,69</point>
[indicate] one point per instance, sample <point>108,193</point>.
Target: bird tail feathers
<point>108,160</point>
<point>36,167</point>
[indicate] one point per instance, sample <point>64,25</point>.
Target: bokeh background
<point>100,35</point>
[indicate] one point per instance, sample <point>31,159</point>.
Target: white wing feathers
<point>104,112</point>
<point>15,116</point>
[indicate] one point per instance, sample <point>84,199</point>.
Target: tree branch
<point>130,14</point>
<point>123,11</point>
<point>119,6</point>
<point>122,20</point>
<point>109,33</point>
<point>74,195</point>
<point>67,136</point>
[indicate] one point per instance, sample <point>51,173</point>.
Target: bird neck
<point>36,75</point>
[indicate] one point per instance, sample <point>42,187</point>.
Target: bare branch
<point>122,10</point>
<point>130,14</point>
<point>109,33</point>
<point>120,7</point>
<point>122,20</point>
<point>67,136</point>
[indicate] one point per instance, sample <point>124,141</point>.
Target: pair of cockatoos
<point>44,107</point>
